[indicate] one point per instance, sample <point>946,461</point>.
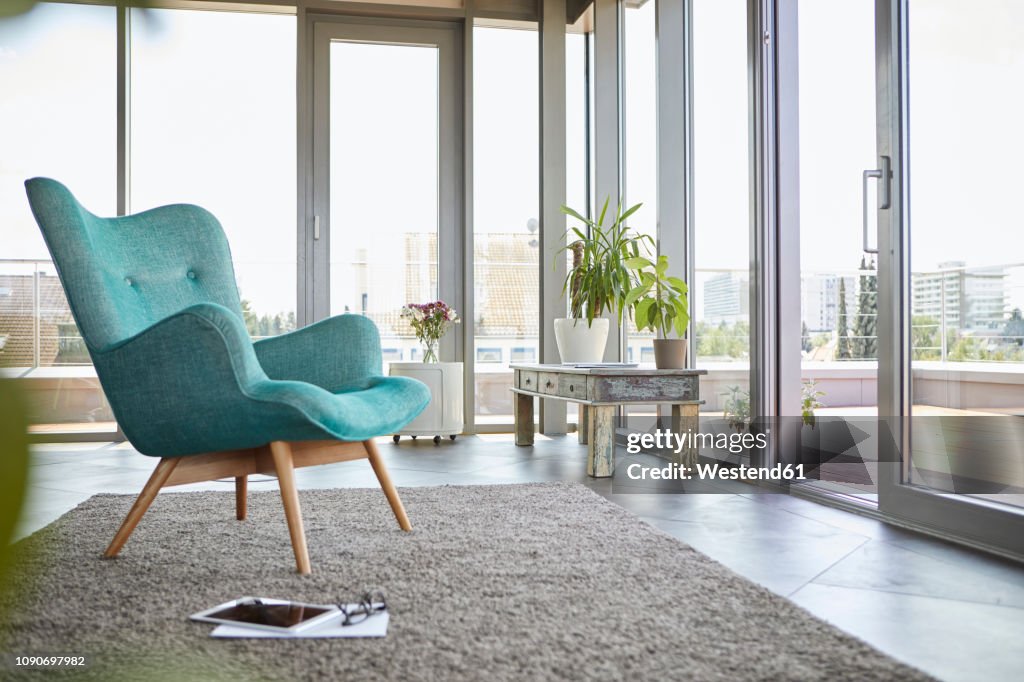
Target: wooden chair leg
<point>241,490</point>
<point>285,467</point>
<point>385,483</point>
<point>156,481</point>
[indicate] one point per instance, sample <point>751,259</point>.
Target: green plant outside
<point>599,279</point>
<point>809,402</point>
<point>736,408</point>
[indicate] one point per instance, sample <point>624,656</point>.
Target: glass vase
<point>430,351</point>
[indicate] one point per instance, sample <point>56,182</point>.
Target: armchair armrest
<point>339,354</point>
<point>178,386</point>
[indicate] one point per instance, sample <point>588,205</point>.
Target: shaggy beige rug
<point>503,582</point>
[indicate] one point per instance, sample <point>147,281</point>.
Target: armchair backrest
<point>123,275</point>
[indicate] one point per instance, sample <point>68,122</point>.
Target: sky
<point>213,123</point>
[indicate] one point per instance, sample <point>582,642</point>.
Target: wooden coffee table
<point>599,391</point>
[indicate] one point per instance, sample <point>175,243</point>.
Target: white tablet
<point>276,615</point>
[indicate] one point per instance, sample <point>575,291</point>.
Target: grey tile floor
<point>953,612</point>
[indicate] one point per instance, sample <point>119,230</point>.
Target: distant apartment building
<point>819,301</point>
<point>726,298</point>
<point>970,299</point>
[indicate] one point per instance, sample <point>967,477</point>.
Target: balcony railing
<point>38,339</point>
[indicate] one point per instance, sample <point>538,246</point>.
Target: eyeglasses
<point>357,611</point>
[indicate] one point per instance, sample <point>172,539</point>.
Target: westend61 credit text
<point>715,472</point>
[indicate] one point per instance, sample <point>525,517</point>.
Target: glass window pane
<point>837,305</point>
<point>384,185</point>
<point>48,131</point>
<point>578,126</point>
<point>641,125</point>
<point>576,121</point>
<point>719,296</point>
<point>213,124</point>
<point>506,248</point>
<point>838,281</point>
<point>967,281</point>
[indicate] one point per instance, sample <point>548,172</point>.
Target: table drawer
<point>547,383</point>
<point>527,380</point>
<point>572,386</point>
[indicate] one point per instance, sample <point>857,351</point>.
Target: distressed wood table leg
<point>524,419</point>
<point>685,419</point>
<point>601,446</point>
<point>583,424</point>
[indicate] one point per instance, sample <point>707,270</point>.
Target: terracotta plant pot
<point>670,353</point>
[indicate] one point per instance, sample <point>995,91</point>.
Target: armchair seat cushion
<point>308,412</point>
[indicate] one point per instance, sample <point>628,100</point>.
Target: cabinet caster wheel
<point>396,438</point>
<point>414,437</point>
<point>452,436</point>
<point>437,439</point>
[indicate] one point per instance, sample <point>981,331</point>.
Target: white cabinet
<point>443,416</point>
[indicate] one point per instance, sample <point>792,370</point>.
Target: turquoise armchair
<point>155,298</point>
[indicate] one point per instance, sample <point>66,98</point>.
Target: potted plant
<point>736,408</point>
<point>809,402</point>
<point>597,282</point>
<point>660,304</point>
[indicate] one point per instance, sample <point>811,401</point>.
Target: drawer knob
<point>527,382</point>
<point>570,388</point>
<point>549,384</point>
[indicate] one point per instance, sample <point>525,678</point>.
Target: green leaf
<point>638,263</point>
<point>629,212</point>
<point>653,313</point>
<point>662,266</point>
<point>682,318</point>
<point>640,312</point>
<point>681,323</point>
<point>15,7</point>
<point>634,295</point>
<point>604,209</point>
<point>570,212</point>
<point>677,283</point>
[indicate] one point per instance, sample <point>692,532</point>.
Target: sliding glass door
<point>950,274</point>
<point>387,156</point>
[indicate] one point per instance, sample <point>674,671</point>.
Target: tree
<point>925,337</point>
<point>724,340</point>
<point>843,351</point>
<point>252,321</point>
<point>865,341</point>
<point>1013,331</point>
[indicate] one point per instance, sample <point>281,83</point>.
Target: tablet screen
<point>271,615</point>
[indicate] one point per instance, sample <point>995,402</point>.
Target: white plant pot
<point>578,342</point>
<point>443,416</point>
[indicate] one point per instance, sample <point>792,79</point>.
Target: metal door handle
<point>884,174</point>
<point>316,227</point>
